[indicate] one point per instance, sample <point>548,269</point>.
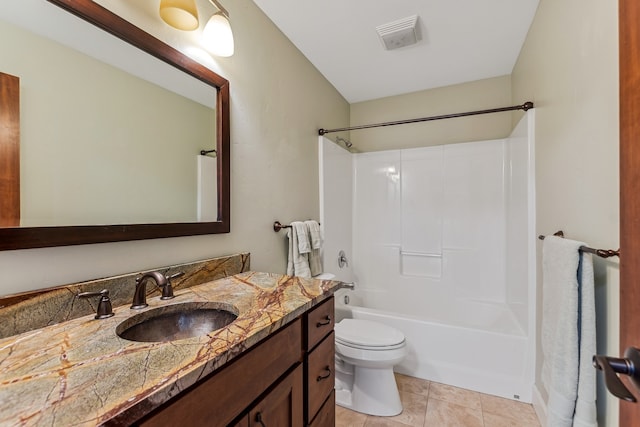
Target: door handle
<point>612,366</point>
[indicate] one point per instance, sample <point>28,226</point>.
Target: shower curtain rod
<point>526,106</point>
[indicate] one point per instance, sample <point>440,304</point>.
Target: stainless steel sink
<point>177,322</point>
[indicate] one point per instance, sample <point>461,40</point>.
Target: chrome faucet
<point>162,281</point>
<point>350,285</point>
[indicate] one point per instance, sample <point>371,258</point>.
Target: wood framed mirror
<point>23,237</point>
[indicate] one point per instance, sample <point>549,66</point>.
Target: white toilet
<point>365,355</point>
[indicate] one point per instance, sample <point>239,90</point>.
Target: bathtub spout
<point>351,285</point>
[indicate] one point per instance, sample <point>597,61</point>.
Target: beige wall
<point>278,101</point>
<point>568,67</point>
<point>478,95</point>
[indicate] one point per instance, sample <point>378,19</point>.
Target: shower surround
<point>442,244</point>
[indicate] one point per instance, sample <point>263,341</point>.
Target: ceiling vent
<point>400,33</point>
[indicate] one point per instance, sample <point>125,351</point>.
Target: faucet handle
<point>167,289</point>
<point>104,305</point>
<point>175,275</point>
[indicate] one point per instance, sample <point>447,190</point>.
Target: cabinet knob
<point>325,322</point>
<point>325,376</point>
<point>259,419</point>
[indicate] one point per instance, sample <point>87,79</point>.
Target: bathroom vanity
<point>286,380</point>
<point>272,365</point>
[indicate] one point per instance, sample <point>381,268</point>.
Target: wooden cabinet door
<point>629,27</point>
<point>320,374</point>
<point>243,422</point>
<point>327,414</point>
<point>282,407</point>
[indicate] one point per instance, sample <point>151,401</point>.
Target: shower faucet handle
<point>342,259</point>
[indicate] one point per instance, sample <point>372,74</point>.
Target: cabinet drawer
<point>327,414</point>
<point>320,322</point>
<point>320,374</point>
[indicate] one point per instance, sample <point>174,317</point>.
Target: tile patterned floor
<point>430,404</point>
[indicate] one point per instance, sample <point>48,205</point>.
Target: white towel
<point>586,414</point>
<point>207,202</point>
<point>297,262</point>
<point>302,233</point>
<point>568,333</point>
<point>315,257</point>
<point>314,233</point>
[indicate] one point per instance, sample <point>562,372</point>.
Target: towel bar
<point>277,226</point>
<point>603,253</point>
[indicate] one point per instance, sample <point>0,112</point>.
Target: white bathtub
<point>488,353</point>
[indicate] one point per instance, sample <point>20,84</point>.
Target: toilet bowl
<point>365,355</point>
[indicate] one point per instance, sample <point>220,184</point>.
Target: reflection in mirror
<point>122,151</point>
<point>100,146</point>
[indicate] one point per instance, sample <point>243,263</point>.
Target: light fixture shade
<point>180,14</point>
<point>217,37</point>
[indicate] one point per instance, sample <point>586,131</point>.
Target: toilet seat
<point>371,347</point>
<point>367,335</point>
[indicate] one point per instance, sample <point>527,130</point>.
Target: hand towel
<point>302,233</point>
<point>314,233</point>
<point>315,256</point>
<point>297,263</point>
<point>568,333</point>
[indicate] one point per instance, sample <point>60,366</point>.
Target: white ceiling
<point>461,41</point>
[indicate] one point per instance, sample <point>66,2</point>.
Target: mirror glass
<point>111,135</point>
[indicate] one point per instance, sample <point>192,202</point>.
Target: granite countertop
<point>80,372</point>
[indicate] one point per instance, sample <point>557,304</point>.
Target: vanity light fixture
<point>180,14</point>
<point>217,36</point>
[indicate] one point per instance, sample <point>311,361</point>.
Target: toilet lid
<point>367,333</point>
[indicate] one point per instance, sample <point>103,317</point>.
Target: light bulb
<point>217,37</point>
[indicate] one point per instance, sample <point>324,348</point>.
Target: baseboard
<point>539,405</point>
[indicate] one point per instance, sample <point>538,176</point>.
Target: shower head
<point>346,142</point>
